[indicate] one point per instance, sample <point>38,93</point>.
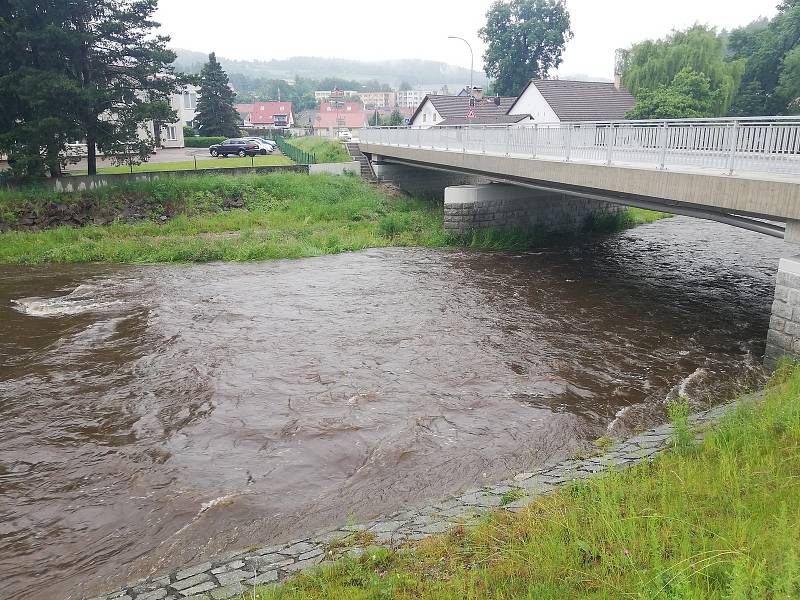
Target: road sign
<point>471,114</point>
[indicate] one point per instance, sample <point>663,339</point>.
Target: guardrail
<point>761,145</point>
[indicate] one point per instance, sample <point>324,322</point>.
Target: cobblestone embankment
<point>234,573</point>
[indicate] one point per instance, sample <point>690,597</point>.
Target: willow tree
<point>652,64</point>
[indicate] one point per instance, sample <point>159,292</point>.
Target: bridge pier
<point>484,206</point>
<point>783,337</point>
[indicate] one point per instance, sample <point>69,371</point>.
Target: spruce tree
<point>216,115</point>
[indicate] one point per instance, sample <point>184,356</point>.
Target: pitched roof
<point>263,113</point>
<point>583,100</point>
<point>485,120</point>
<point>458,106</point>
<point>352,115</point>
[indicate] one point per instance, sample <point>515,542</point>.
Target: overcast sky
<point>258,29</point>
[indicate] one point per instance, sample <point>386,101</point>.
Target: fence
<point>766,145</point>
<point>299,156</point>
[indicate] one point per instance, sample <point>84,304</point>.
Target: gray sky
<point>252,29</point>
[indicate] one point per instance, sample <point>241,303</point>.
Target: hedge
<point>203,142</point>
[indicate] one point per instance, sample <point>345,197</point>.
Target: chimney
<point>477,92</point>
<point>617,81</point>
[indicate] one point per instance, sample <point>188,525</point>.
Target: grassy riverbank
<point>715,520</point>
<point>323,149</point>
<point>216,217</point>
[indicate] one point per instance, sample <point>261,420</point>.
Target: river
<point>152,416</point>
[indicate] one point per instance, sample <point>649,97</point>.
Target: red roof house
<point>272,114</point>
<point>342,114</point>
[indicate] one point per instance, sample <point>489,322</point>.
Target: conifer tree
<point>216,115</point>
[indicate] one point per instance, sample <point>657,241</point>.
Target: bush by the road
<point>202,142</point>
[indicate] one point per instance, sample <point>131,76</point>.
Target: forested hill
<point>415,72</point>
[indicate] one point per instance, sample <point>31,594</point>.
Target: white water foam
<point>83,299</point>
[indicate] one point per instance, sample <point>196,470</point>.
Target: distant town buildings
<point>334,116</point>
<point>411,98</point>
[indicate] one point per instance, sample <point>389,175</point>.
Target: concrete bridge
<point>742,172</point>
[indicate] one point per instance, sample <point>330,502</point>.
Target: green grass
<point>284,215</point>
<point>189,165</point>
<point>323,149</point>
<point>710,521</point>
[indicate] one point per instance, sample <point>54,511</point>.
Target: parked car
<point>238,146</point>
<point>345,135</point>
<point>264,146</point>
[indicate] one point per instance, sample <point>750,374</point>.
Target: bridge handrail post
<point>612,135</point>
<point>663,135</point>
<point>568,142</point>
<point>535,139</point>
<point>483,140</point>
<point>734,144</point>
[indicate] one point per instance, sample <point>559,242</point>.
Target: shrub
<point>203,142</point>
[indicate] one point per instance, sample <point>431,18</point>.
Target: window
<point>189,100</point>
<point>424,117</point>
<point>172,132</point>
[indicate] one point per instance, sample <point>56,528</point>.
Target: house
<point>410,98</point>
<point>187,105</point>
<point>557,100</point>
<point>378,99</point>
<point>271,115</point>
<point>245,112</point>
<point>306,118</point>
<point>464,110</point>
<point>334,116</point>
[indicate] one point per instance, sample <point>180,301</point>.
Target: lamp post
<point>471,59</point>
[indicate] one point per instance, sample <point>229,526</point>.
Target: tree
<point>788,88</point>
<point>524,40</point>
<point>37,96</point>
<point>216,114</point>
<point>653,64</point>
<point>689,96</point>
<point>395,119</point>
<point>768,49</point>
<point>405,86</point>
<point>124,75</point>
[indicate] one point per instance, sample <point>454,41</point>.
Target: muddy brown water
<point>151,416</point>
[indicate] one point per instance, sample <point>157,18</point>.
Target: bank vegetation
<point>221,217</point>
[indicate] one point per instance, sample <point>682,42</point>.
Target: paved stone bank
<point>234,573</point>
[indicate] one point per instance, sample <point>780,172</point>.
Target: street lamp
<point>471,59</point>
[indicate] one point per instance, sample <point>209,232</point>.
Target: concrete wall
<point>783,338</point>
<point>336,168</point>
<point>422,182</point>
<point>76,184</point>
<point>501,205</point>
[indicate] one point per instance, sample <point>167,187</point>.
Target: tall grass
<point>719,521</point>
<point>324,150</point>
<point>284,216</point>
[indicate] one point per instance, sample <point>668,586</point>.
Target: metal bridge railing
<point>756,145</point>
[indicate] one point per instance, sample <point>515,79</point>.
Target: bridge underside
<point>753,220</point>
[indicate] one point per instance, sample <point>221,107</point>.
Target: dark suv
<point>235,146</point>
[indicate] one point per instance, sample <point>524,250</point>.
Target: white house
<point>464,110</point>
<point>557,100</point>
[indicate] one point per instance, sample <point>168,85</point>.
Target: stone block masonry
<point>783,337</point>
<point>484,206</point>
<point>236,573</point>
